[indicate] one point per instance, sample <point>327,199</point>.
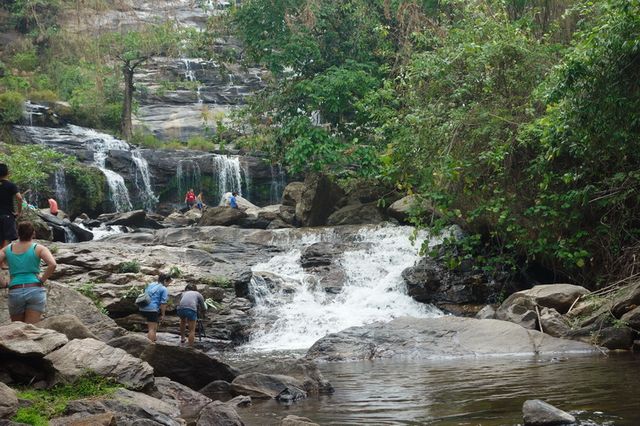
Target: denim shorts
<point>187,313</point>
<point>32,298</point>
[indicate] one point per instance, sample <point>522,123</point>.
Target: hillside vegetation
<point>516,119</point>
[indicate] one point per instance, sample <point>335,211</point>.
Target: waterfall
<point>298,312</point>
<point>147,196</point>
<point>190,75</point>
<point>60,188</point>
<point>227,174</point>
<point>188,176</point>
<point>278,183</point>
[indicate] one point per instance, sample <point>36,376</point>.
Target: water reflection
<point>490,392</point>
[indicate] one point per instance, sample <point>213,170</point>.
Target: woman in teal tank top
<point>27,296</point>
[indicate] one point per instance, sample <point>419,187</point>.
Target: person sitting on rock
<point>233,202</point>
<point>154,311</point>
<point>27,295</point>
<point>190,198</point>
<point>199,201</point>
<point>190,303</point>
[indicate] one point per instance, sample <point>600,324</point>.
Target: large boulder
<point>129,408</point>
<point>85,419</point>
<point>520,307</point>
<point>626,300</point>
<point>424,338</point>
<point>90,355</point>
<point>67,324</point>
<point>189,402</point>
<point>133,219</point>
<point>538,413</point>
<point>258,385</point>
<point>221,216</point>
<point>321,261</point>
<point>356,214</point>
<point>317,201</point>
<point>303,370</point>
<point>430,281</point>
<point>183,365</point>
<point>8,401</point>
<point>292,193</point>
<point>219,414</point>
<point>20,339</point>
<point>553,323</point>
<point>292,420</point>
<point>402,208</point>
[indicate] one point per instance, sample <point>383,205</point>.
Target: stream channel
<point>490,391</point>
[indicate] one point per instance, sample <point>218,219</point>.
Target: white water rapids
<point>373,290</point>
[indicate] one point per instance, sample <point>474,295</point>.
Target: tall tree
<point>131,50</point>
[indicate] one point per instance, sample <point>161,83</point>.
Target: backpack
<point>191,196</point>
<point>144,298</point>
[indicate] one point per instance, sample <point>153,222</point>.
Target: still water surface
<point>489,392</point>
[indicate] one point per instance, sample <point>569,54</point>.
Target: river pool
<point>597,390</point>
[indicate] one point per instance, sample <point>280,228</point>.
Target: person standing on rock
<point>27,296</point>
<point>10,207</point>
<point>190,303</point>
<point>190,198</point>
<point>154,311</point>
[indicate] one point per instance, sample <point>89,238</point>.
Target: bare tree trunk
<point>125,124</point>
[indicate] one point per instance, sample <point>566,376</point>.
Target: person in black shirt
<point>8,213</point>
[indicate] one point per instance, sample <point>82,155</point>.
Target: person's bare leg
<point>19,317</point>
<point>4,265</point>
<point>192,332</point>
<point>151,334</point>
<point>32,317</point>
<point>183,325</point>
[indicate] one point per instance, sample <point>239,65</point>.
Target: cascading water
<point>190,75</point>
<point>60,188</point>
<point>278,183</point>
<point>101,144</point>
<point>301,312</point>
<point>227,174</point>
<point>188,176</point>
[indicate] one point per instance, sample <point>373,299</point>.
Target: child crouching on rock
<point>188,307</point>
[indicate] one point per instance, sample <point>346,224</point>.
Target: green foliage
<point>50,403</point>
<point>91,182</point>
<point>11,106</point>
<point>25,61</point>
<point>129,266</point>
<point>217,281</point>
<point>147,140</point>
<point>175,272</point>
<point>31,165</point>
<point>88,289</point>
<point>200,143</point>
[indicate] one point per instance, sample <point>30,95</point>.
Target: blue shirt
<point>232,202</point>
<point>159,296</point>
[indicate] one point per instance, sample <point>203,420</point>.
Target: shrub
<point>43,96</point>
<point>50,403</point>
<point>175,272</point>
<point>25,61</point>
<point>200,144</point>
<point>11,107</point>
<point>129,266</point>
<point>147,140</point>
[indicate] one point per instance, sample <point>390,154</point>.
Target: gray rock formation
<point>128,408</point>
<point>356,214</point>
<point>430,281</point>
<point>186,366</point>
<point>317,200</point>
<point>292,420</point>
<point>80,356</point>
<point>440,337</point>
<point>221,216</point>
<point>538,413</point>
<point>219,414</point>
<point>304,371</point>
<point>8,401</point>
<point>520,307</point>
<point>258,385</point>
<point>20,339</point>
<point>402,208</point>
<point>189,402</point>
<point>67,324</point>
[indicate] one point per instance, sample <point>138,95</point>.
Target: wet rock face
<point>539,413</point>
<point>322,260</point>
<point>317,201</point>
<point>431,282</point>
